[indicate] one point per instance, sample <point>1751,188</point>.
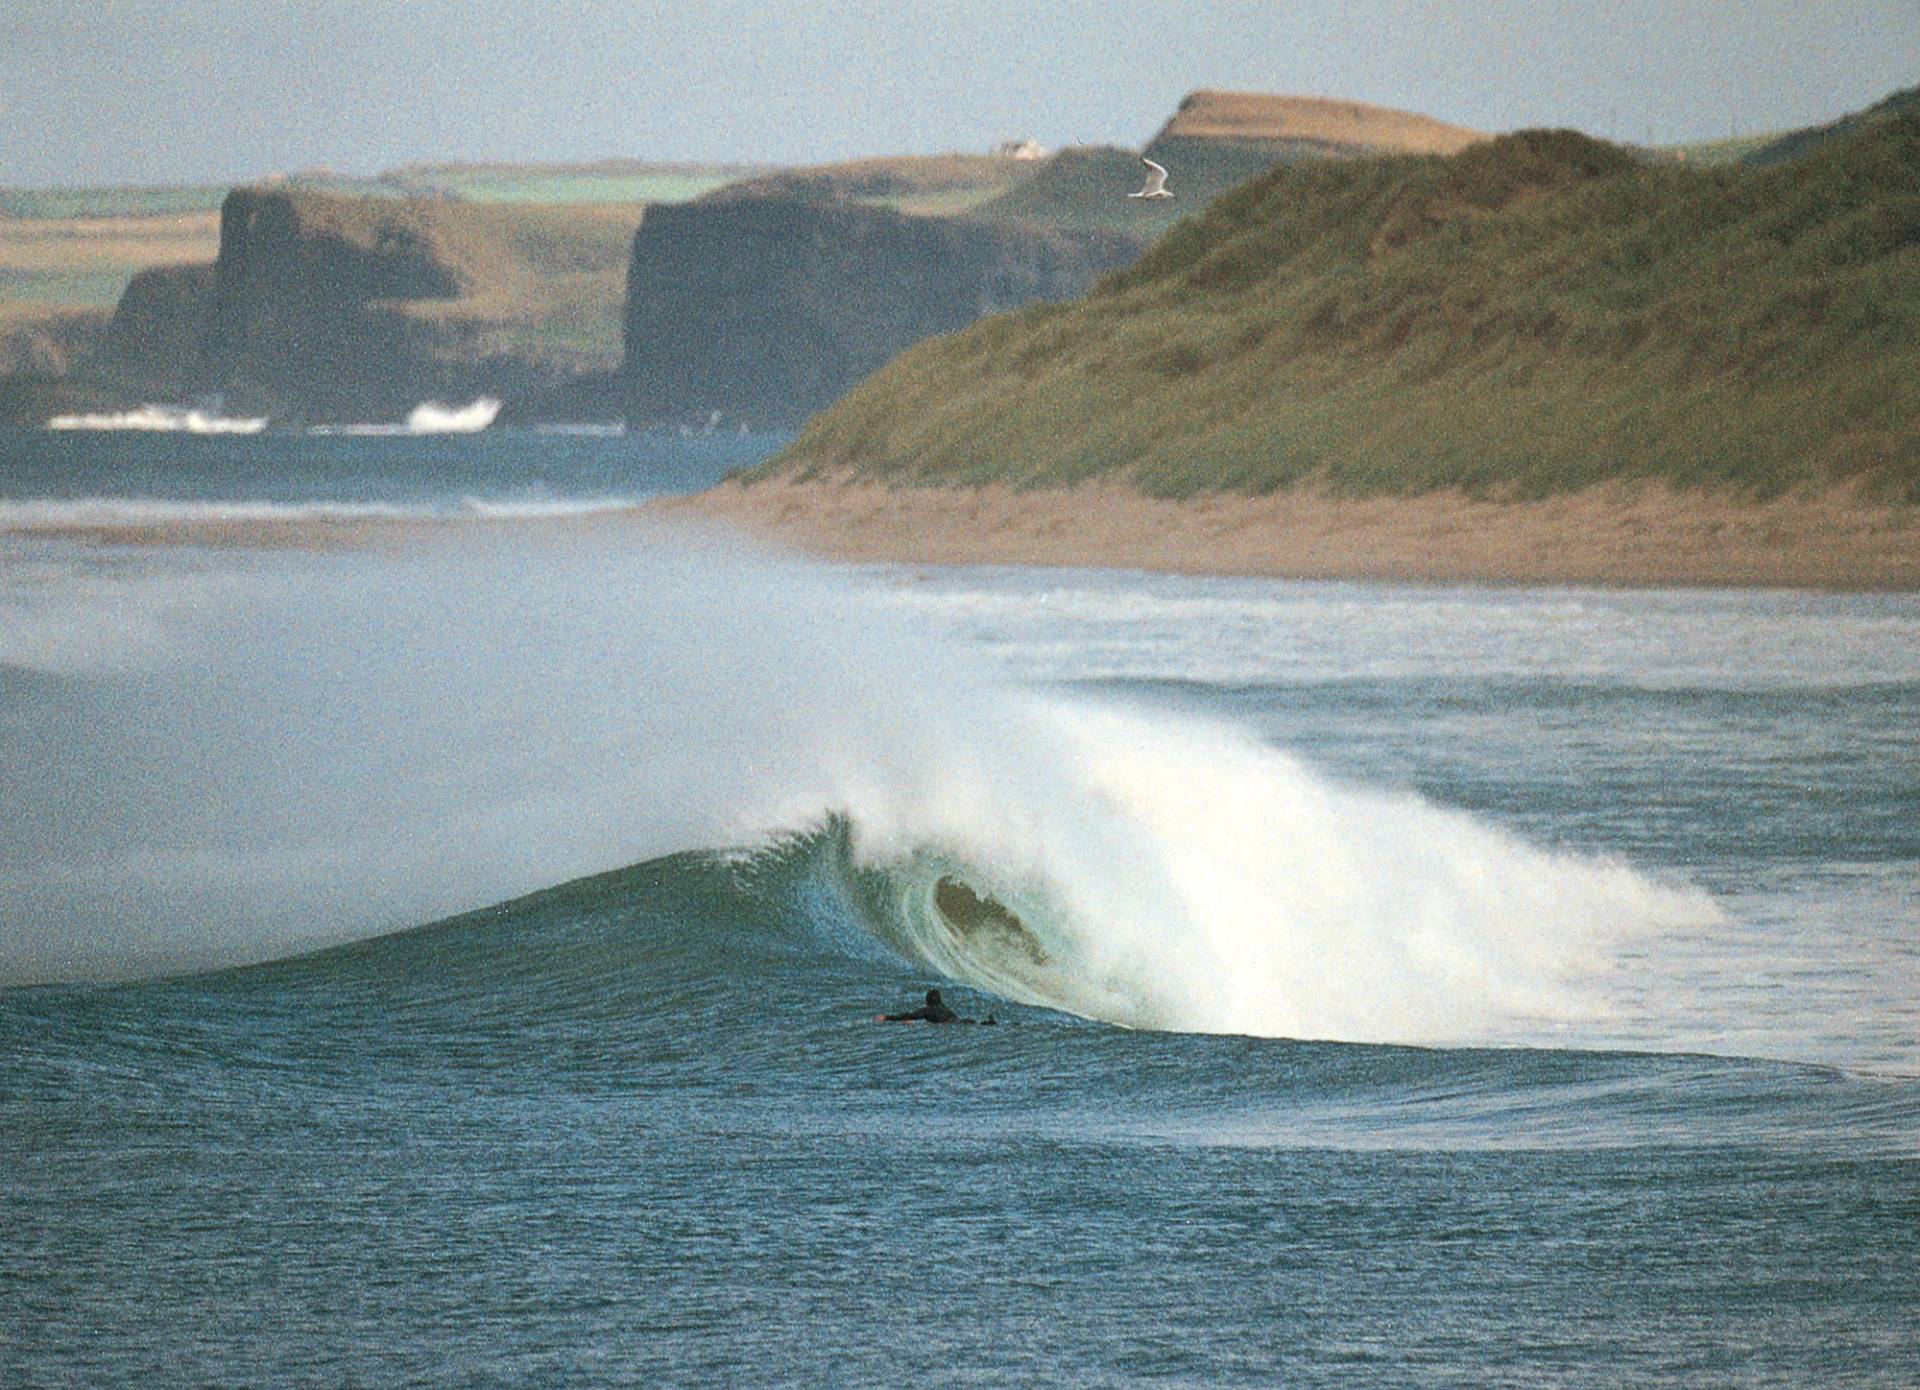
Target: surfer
<point>933,1011</point>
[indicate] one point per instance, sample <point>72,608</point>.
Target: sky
<point>170,91</point>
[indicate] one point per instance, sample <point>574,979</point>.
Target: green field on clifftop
<point>1529,316</point>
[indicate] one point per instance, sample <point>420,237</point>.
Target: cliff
<point>156,340</point>
<point>1533,315</point>
<point>768,308</point>
<point>324,307</point>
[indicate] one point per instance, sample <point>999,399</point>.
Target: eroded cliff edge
<point>764,309</point>
<point>330,308</point>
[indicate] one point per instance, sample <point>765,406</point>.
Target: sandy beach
<point>1646,535</point>
<point>1618,535</point>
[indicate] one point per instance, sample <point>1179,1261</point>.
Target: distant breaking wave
<point>162,417</point>
<point>429,417</point>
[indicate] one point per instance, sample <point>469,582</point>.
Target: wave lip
<point>162,418</point>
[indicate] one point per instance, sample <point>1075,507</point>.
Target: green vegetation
<point>1215,141</point>
<point>1085,189</point>
<point>1796,143</point>
<point>91,287</point>
<point>40,342</point>
<point>57,271</point>
<point>1530,316</point>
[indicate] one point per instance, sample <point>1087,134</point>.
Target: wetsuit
<point>933,1012</point>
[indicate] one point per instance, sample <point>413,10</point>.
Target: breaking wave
<point>253,764</point>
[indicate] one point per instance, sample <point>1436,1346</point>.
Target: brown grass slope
<point>1530,316</point>
<point>1213,142</point>
<point>1351,127</point>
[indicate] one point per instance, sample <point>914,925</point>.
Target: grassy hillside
<point>1529,316</point>
<point>61,203</point>
<point>1086,188</point>
<point>80,262</point>
<point>1709,153</point>
<point>1796,143</point>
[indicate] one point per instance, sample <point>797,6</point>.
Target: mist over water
<point>264,757</point>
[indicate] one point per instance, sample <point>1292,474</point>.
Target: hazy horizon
<point>170,91</point>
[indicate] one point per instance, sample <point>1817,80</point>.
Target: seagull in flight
<point>1156,184</point>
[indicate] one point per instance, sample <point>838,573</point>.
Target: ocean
<point>447,952</point>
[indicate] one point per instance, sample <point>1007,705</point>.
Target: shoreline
<point>1619,535</point>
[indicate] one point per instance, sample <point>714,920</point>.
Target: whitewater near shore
<point>1615,537</point>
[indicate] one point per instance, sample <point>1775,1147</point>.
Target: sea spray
<point>221,759</point>
<point>1178,874</point>
<point>263,755</point>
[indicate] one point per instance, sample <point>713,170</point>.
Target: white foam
<point>161,417</point>
<point>1198,880</point>
<point>584,429</point>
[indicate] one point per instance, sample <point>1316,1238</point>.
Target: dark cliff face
<point>767,309</point>
<point>296,307</point>
<point>327,308</point>
<point>158,334</point>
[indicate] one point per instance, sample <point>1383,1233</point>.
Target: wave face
<point>161,418</point>
<point>258,763</point>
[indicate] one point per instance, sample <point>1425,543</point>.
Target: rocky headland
<point>767,307</point>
